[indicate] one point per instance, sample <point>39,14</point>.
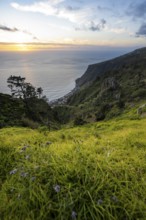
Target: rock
<point>110,83</point>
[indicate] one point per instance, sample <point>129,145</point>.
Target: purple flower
<point>19,196</point>
<point>23,174</point>
<point>74,215</point>
<point>100,201</point>
<point>12,190</point>
<point>114,199</point>
<point>57,188</point>
<point>23,148</point>
<point>33,178</point>
<point>27,157</point>
<point>13,171</point>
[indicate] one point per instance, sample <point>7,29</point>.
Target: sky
<point>49,24</point>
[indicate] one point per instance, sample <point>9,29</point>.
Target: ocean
<point>54,71</point>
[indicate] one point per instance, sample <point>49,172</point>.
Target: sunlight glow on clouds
<point>54,8</point>
<point>79,22</point>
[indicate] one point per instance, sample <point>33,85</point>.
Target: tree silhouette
<point>39,92</point>
<point>21,89</point>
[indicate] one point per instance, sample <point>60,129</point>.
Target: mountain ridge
<point>97,69</point>
<point>107,89</point>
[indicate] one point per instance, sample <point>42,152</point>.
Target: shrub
<point>79,121</point>
<point>26,122</point>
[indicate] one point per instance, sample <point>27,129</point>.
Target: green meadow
<point>91,172</point>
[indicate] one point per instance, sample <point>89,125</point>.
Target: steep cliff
<point>96,70</point>
<point>108,88</point>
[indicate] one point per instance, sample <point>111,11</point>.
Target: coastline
<point>62,100</point>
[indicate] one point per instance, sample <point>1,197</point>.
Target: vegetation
<point>26,106</point>
<point>108,88</point>
<point>96,171</point>
<point>21,89</point>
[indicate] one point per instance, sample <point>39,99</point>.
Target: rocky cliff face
<point>96,70</point>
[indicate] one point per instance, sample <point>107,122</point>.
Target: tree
<point>39,92</point>
<point>16,84</point>
<point>21,89</point>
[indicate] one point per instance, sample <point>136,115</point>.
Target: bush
<point>26,122</point>
<point>62,114</point>
<point>100,116</point>
<point>139,93</point>
<point>115,111</point>
<point>79,121</point>
<point>43,129</point>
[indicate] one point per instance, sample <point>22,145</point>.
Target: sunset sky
<point>44,24</point>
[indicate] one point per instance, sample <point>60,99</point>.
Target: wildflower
<point>114,199</point>
<point>33,178</point>
<point>19,196</point>
<point>12,190</point>
<point>13,171</point>
<point>27,157</point>
<point>57,188</point>
<point>23,174</point>
<point>74,215</point>
<point>23,148</point>
<point>100,201</point>
<point>36,167</point>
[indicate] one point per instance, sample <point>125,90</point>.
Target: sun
<point>22,47</point>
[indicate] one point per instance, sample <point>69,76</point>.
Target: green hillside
<point>108,88</point>
<point>97,171</point>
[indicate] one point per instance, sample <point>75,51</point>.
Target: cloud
<point>53,8</point>
<point>71,8</point>
<point>55,2</point>
<point>5,28</point>
<point>28,33</point>
<point>142,31</point>
<point>100,8</point>
<point>137,10</point>
<point>42,7</point>
<point>79,16</point>
<point>118,30</point>
<point>92,26</point>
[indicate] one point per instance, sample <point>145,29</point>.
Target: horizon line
<point>34,46</point>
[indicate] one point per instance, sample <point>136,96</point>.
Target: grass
<point>94,172</point>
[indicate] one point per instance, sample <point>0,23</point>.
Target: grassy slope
<point>100,169</point>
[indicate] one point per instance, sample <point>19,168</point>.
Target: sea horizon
<point>55,70</point>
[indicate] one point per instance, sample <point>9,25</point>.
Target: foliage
<point>11,110</point>
<point>63,113</point>
<point>79,121</point>
<point>26,122</point>
<point>21,89</point>
<point>26,106</point>
<point>96,171</point>
<point>32,112</point>
<point>118,82</point>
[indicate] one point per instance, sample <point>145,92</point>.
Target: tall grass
<point>93,172</point>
